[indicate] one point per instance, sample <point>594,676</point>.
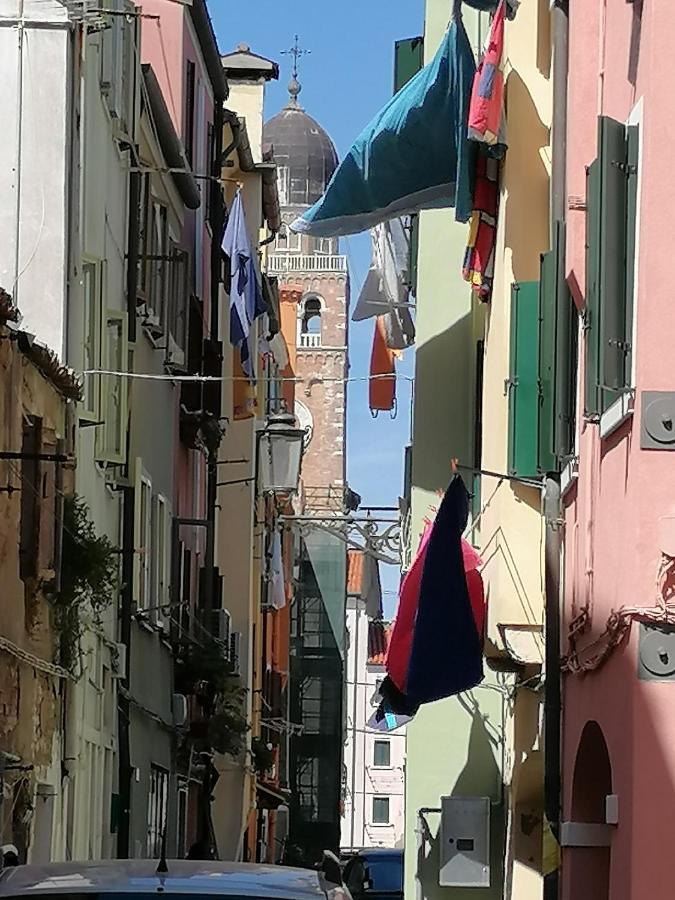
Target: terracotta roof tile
<point>354,572</point>
<point>378,641</point>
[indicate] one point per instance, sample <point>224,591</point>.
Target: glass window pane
<point>380,810</point>
<point>382,753</point>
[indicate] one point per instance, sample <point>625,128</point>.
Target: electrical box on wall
<point>465,842</point>
<point>656,654</point>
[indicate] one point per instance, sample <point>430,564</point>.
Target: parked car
<point>183,879</point>
<point>375,873</point>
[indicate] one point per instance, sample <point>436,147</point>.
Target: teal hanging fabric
<point>414,155</point>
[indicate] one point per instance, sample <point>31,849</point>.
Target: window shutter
<point>612,256</point>
<point>565,356</point>
<point>522,383</point>
<point>592,306</point>
<point>408,60</point>
<point>632,158</point>
<point>546,362</point>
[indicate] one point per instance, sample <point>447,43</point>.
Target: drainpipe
<point>552,505</point>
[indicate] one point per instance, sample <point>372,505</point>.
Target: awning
<point>270,798</point>
<point>328,557</point>
<point>415,154</point>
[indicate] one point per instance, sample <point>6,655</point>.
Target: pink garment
<point>400,640</point>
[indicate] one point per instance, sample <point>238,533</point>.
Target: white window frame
<point>160,538</point>
<point>114,451</point>
<point>142,538</point>
<point>284,185</point>
<point>92,307</point>
<point>372,810</point>
<point>158,806</point>
<point>375,764</point>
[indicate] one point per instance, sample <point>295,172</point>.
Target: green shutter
<point>523,381</point>
<point>546,458</point>
<point>632,154</point>
<point>408,60</point>
<point>612,257</point>
<point>592,304</point>
<point>566,352</point>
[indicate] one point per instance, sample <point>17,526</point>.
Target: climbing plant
<point>88,578</point>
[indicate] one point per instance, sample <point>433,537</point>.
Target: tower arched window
<point>309,324</point>
<point>282,238</point>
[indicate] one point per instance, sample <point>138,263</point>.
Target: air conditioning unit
<point>179,706</point>
<point>235,649</point>
<point>119,661</point>
<point>221,623</point>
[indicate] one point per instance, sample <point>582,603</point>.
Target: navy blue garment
<point>447,654</point>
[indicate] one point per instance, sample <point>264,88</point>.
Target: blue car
<point>375,874</point>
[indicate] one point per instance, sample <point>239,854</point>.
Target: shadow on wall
<point>444,387</point>
<point>525,206</point>
<point>479,767</point>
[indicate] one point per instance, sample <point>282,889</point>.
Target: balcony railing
<point>300,262</point>
<point>308,340</point>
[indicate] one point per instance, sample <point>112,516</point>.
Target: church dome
<point>304,153</point>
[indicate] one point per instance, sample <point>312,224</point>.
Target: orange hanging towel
<point>382,390</point>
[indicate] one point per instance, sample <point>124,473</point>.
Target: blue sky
<point>346,78</point>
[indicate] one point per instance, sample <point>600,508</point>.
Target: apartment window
<point>143,538</point>
<point>284,185</point>
<point>380,810</point>
<point>178,307</point>
<point>91,309</point>
<point>189,136</point>
<point>157,809</point>
<point>144,205</point>
<point>115,58</point>
<point>282,238</point>
<point>112,437</point>
<point>182,821</point>
<point>160,555</point>
<point>209,187</point>
<point>157,289</point>
<point>382,754</point>
<point>611,226</point>
<point>29,529</point>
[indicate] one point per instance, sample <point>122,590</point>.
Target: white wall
<point>364,780</point>
<point>34,161</point>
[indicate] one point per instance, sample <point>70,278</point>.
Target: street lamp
<point>280,454</point>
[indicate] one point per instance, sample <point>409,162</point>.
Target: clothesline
<point>314,380</point>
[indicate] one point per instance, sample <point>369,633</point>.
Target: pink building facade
<point>618,746</point>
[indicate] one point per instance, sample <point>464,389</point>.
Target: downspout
<point>552,504</point>
<point>128,522</point>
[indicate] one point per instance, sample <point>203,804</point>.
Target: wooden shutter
<point>546,362</point>
<point>612,257</point>
<point>592,304</point>
<point>632,159</point>
<point>523,390</point>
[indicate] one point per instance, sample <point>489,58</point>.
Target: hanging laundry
<point>487,119</point>
<point>400,643</point>
<point>415,154</point>
<point>386,283</point>
<point>446,657</point>
<point>491,5</point>
<point>244,403</point>
<point>479,258</point>
<point>246,297</point>
<point>277,582</point>
<point>382,385</point>
<point>371,586</point>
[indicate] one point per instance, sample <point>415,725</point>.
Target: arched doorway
<point>589,867</point>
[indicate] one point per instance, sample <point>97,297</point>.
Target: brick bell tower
<point>306,159</point>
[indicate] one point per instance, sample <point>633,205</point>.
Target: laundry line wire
<point>314,380</point>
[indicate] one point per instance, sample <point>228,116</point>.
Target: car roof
<point>183,876</point>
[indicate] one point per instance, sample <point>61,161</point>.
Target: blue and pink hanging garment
<point>436,645</point>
